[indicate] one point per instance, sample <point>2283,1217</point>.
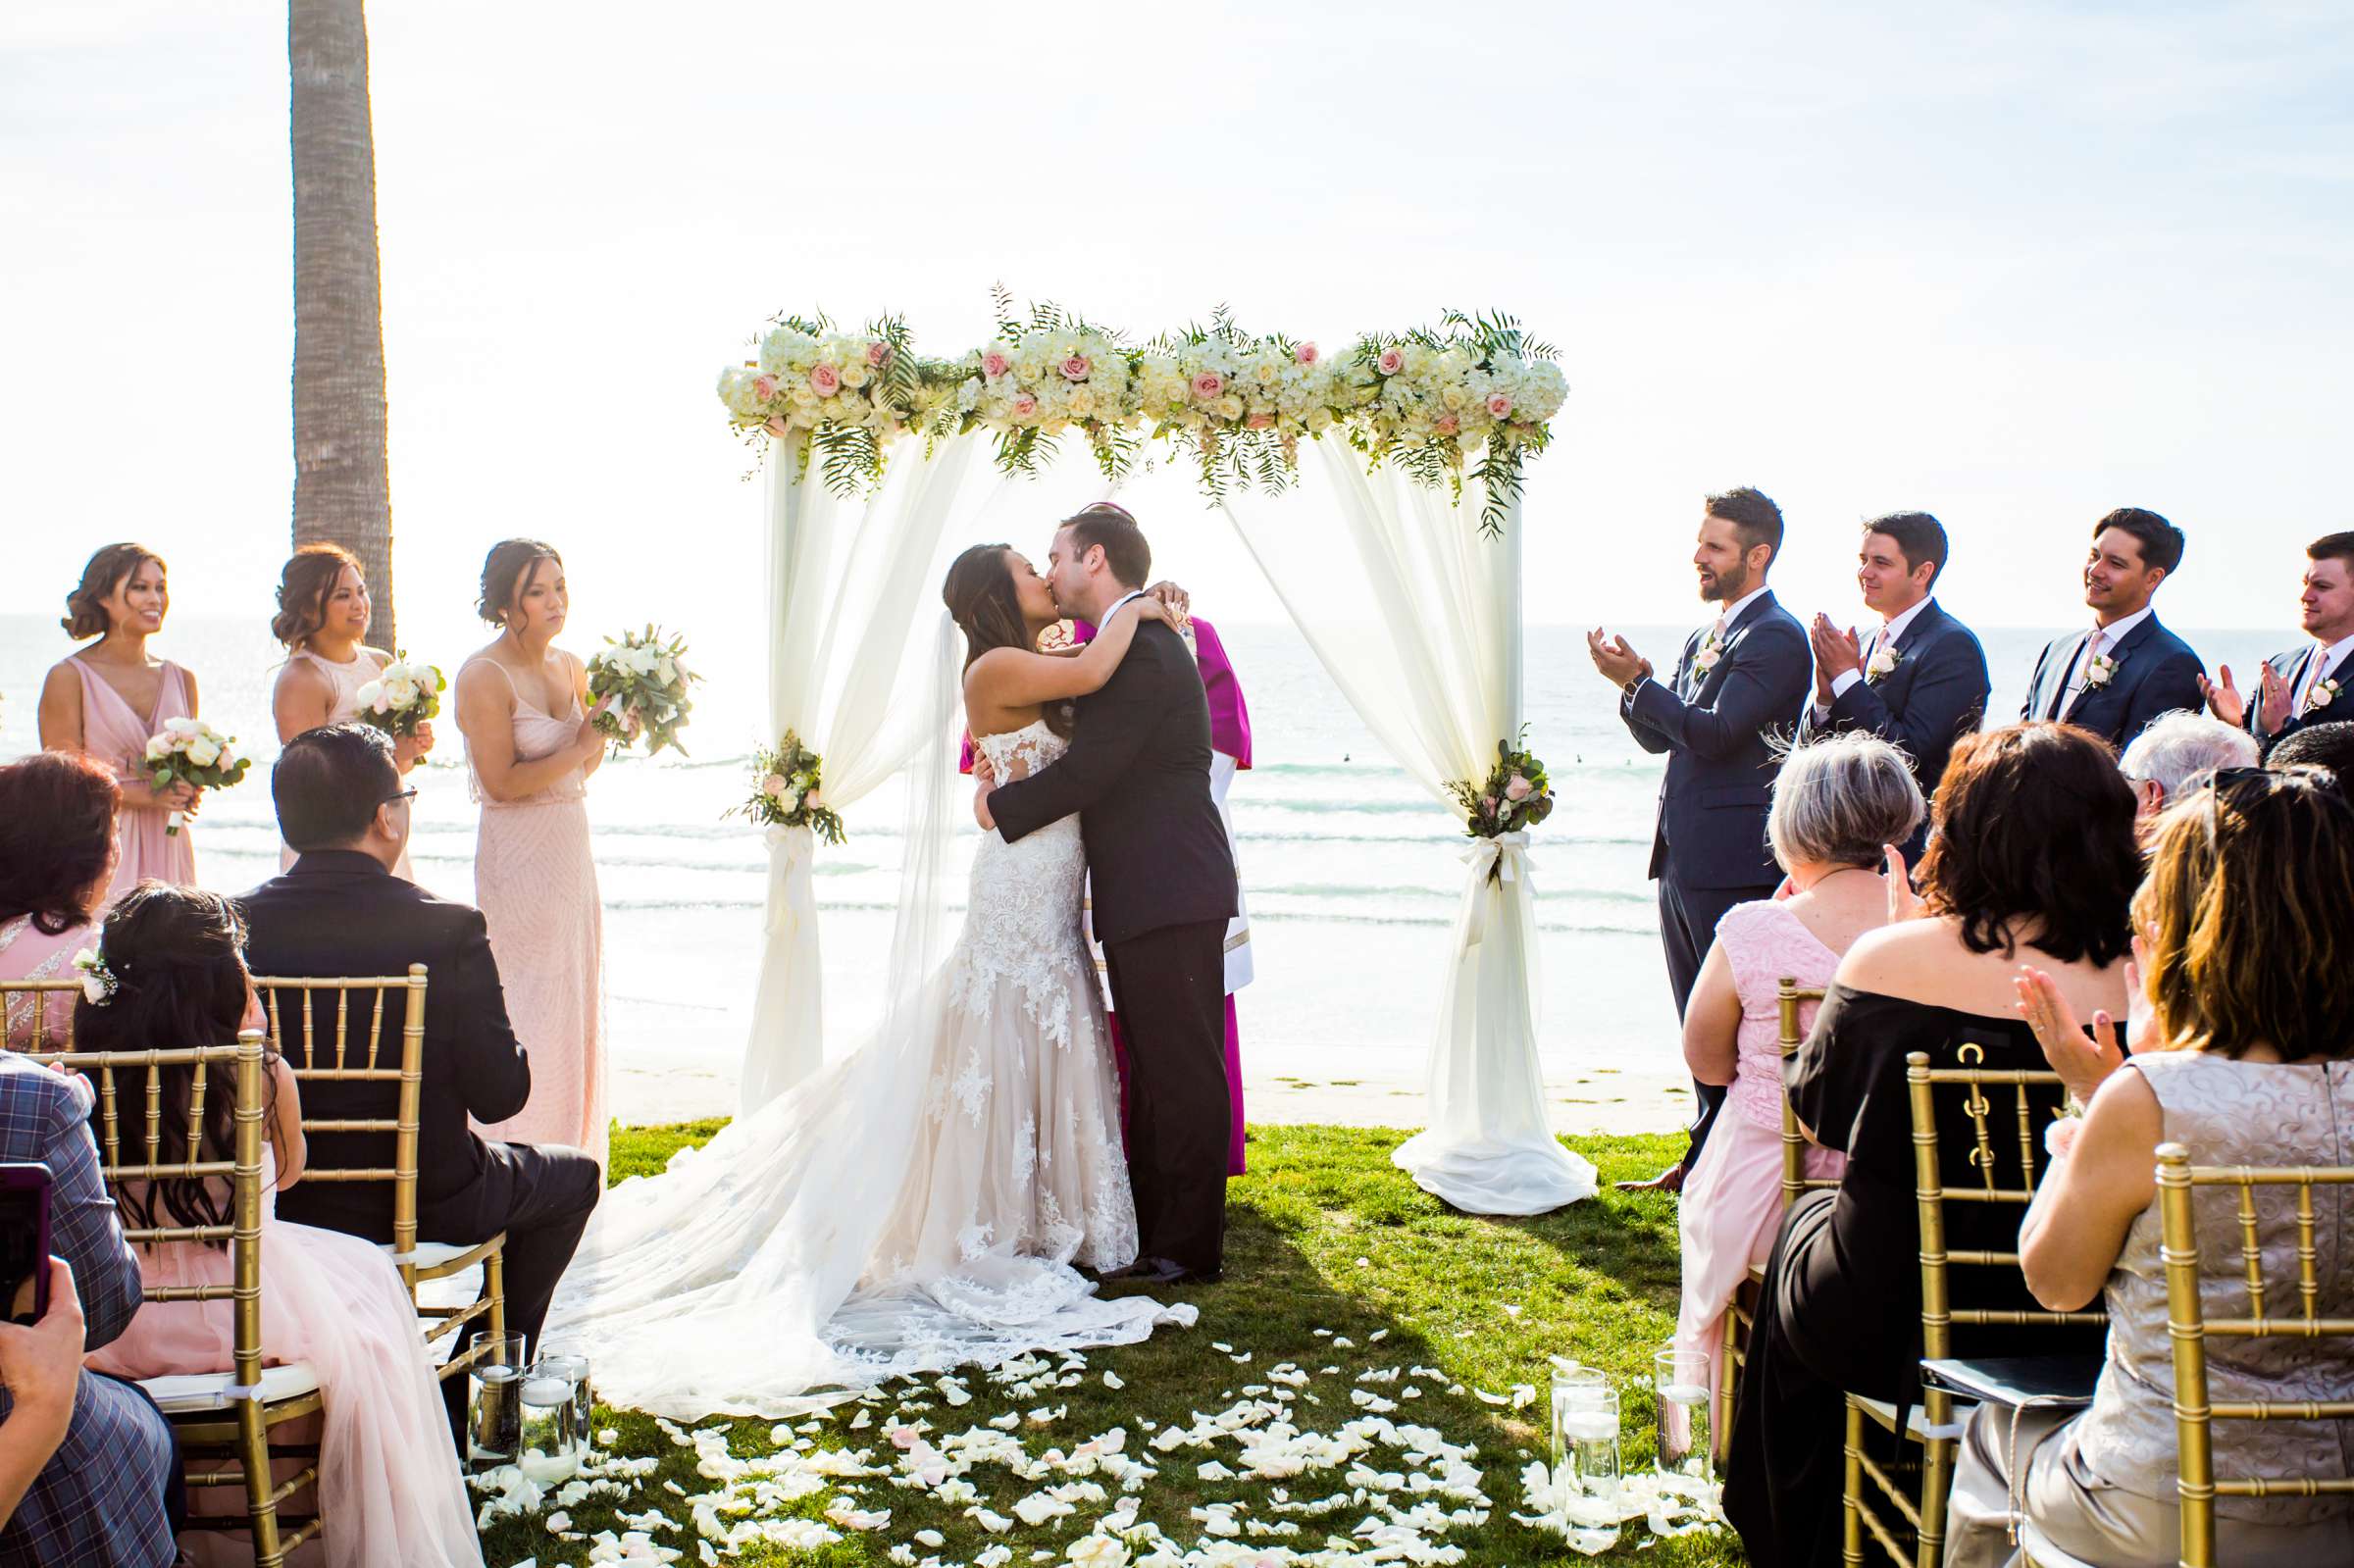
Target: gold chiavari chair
<point>1740,1313</point>
<point>367,1061</point>
<point>223,1419</point>
<point>2189,1327</point>
<point>1935,1423</point>
<point>24,1004</point>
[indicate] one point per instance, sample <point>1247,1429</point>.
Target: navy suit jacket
<point>1934,696</point>
<point>2157,673</point>
<point>2290,668</point>
<point>1714,728</point>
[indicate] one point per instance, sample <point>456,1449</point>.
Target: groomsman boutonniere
<point>2323,694</point>
<point>1883,663</point>
<point>1711,649</point>
<point>2100,671</point>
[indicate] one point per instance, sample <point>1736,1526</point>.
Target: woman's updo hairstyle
<point>85,607</point>
<point>309,575</point>
<point>504,570</point>
<point>983,602</point>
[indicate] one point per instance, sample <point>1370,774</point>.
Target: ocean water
<point>1351,872</point>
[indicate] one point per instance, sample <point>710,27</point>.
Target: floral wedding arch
<point>878,449</point>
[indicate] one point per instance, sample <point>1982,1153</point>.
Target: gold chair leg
<point>1728,1371</point>
<point>261,1508</point>
<point>495,1286</point>
<point>1936,1483</point>
<point>1851,1521</point>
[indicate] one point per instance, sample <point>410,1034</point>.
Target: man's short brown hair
<point>1756,520</point>
<point>1125,552</point>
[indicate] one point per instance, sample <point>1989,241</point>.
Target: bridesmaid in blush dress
<point>322,613</point>
<point>109,698</point>
<point>529,749</point>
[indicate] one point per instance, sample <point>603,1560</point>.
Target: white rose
<point>182,727</point>
<point>854,373</point>
<point>666,670</point>
<point>202,752</point>
<point>400,693</point>
<point>158,748</point>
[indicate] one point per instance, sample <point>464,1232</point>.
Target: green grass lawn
<point>1323,1234</point>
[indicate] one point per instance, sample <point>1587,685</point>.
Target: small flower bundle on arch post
<point>1515,797</point>
<point>788,784</point>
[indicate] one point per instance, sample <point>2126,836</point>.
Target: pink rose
<point>1306,353</point>
<point>877,353</point>
<point>1446,425</point>
<point>778,427</point>
<point>1260,422</point>
<point>1024,406</point>
<point>1392,361</point>
<point>1074,369</point>
<point>1499,405</point>
<point>1487,805</point>
<point>824,379</point>
<point>765,386</point>
<point>774,785</point>
<point>994,365</point>
<point>1208,385</point>
<point>813,800</point>
<point>1518,790</point>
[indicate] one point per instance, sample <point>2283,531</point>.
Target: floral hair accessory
<point>98,982</point>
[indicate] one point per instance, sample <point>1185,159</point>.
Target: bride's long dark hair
<point>981,599</point>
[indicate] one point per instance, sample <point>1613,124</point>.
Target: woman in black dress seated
<point>2033,857</point>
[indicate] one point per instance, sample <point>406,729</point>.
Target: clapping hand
<point>2272,701</point>
<point>1617,662</point>
<point>2082,1061</point>
<point>1836,653</point>
<point>1902,902</point>
<point>2224,699</point>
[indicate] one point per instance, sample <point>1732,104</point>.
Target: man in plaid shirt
<point>100,1499</point>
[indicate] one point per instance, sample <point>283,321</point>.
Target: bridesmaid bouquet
<point>402,696</point>
<point>191,752</point>
<point>1514,796</point>
<point>643,680</point>
<point>786,784</point>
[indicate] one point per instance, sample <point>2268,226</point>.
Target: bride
<point>920,1203</point>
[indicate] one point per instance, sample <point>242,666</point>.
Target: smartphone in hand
<point>25,1242</point>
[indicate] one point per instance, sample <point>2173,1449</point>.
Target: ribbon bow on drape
<point>1502,860</point>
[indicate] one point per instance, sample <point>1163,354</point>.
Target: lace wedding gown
<point>914,1206</point>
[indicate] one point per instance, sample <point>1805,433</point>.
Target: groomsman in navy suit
<point>2302,686</point>
<point>1919,680</point>
<point>2128,668</point>
<point>1738,684</point>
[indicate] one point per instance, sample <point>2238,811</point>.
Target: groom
<point>1138,773</point>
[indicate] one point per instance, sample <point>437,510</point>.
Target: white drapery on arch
<point>1415,615</point>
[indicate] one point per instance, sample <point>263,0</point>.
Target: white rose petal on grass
<point>931,1538</point>
<point>1378,1335</point>
<point>1112,1380</point>
<point>1512,1310</point>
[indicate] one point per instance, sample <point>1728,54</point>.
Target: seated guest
<point>2127,669</point>
<point>1837,804</point>
<point>91,1468</point>
<point>2178,750</point>
<point>340,911</point>
<point>2319,745</point>
<point>390,1492</point>
<point>2248,1059</point>
<point>2033,853</point>
<point>57,861</point>
<point>2296,689</point>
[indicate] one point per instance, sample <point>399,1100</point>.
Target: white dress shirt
<point>2096,642</point>
<point>1885,637</point>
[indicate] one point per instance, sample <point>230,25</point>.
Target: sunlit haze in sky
<point>2014,264</point>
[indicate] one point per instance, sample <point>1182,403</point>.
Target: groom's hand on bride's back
<point>989,824</point>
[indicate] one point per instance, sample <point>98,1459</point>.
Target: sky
<point>2012,264</point>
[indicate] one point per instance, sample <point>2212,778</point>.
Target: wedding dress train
<point>914,1206</point>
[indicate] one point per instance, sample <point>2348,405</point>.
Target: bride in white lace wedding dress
<point>919,1203</point>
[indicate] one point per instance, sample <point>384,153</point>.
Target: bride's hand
<point>1179,602</point>
<point>1150,608</point>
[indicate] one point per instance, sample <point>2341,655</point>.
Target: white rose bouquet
<point>641,679</point>
<point>405,694</point>
<point>787,791</point>
<point>191,752</point>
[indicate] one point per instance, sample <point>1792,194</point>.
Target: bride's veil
<point>919,938</point>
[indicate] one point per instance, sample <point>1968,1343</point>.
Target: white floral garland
<point>1472,397</point>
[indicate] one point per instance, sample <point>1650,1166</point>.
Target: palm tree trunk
<point>343,486</point>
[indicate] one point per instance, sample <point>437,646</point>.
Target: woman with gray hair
<point>1838,804</point>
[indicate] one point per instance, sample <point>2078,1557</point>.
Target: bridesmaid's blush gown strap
<point>118,736</point>
<point>535,881</point>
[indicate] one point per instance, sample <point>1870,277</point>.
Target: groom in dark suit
<point>1919,680</point>
<point>1738,684</point>
<point>1138,773</point>
<point>2127,669</point>
<point>340,911</point>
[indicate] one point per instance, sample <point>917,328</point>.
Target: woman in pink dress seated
<point>57,861</point>
<point>522,707</point>
<point>111,698</point>
<point>323,613</point>
<point>1837,804</point>
<point>389,1486</point>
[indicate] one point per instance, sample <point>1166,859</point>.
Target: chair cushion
<point>431,1255</point>
<point>188,1394</point>
<point>1916,1426</point>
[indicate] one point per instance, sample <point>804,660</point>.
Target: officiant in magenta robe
<point>1230,753</point>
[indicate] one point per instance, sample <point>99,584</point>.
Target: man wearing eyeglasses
<point>2301,687</point>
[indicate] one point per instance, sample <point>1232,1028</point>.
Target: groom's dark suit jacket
<point>2157,673</point>
<point>339,911</point>
<point>1934,696</point>
<point>1138,773</point>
